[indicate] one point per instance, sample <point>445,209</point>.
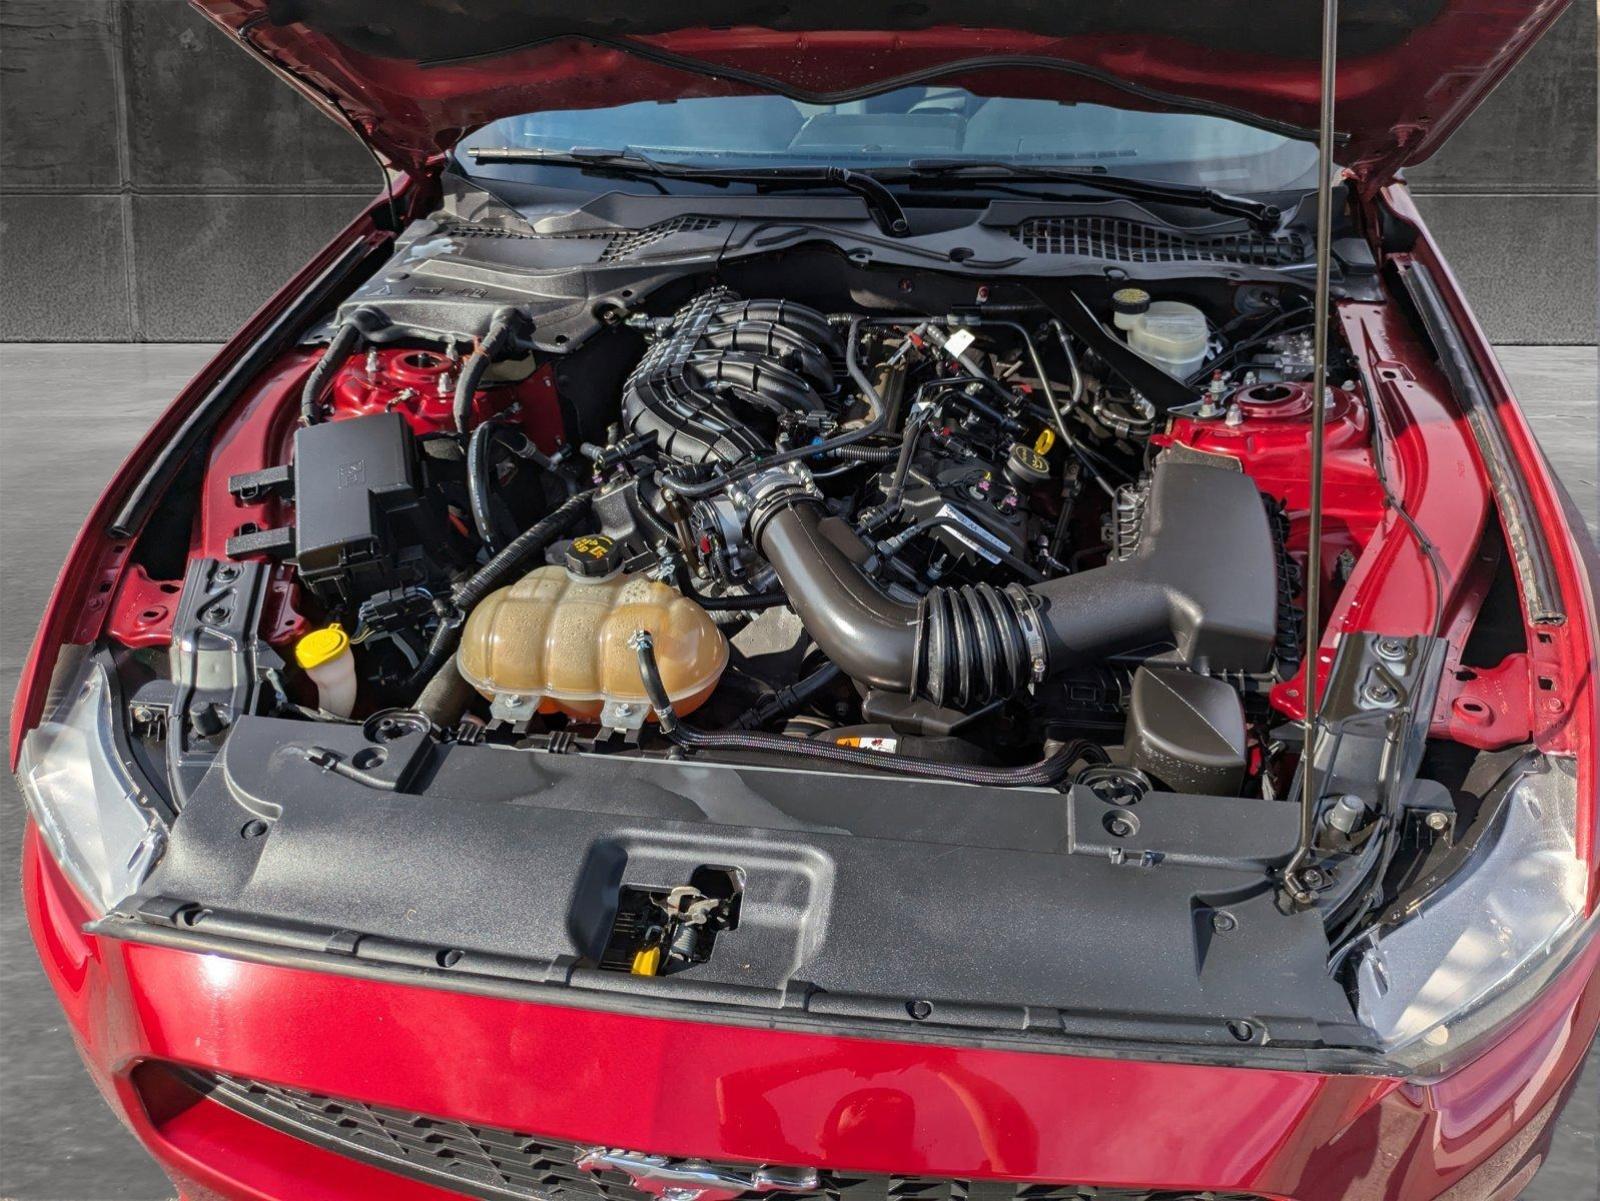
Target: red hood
<point>415,75</point>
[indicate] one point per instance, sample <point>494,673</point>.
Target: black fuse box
<point>360,518</point>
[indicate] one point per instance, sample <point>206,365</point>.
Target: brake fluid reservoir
<point>1169,333</point>
<point>556,641</point>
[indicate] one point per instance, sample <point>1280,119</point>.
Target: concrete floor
<point>69,414</point>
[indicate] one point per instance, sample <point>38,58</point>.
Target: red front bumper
<point>738,1093</point>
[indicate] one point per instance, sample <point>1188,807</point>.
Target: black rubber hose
<point>480,481</point>
<point>1044,773</point>
<point>445,698</point>
<point>344,341</point>
<point>501,326</point>
<point>496,572</point>
<point>788,701</point>
<point>1204,579</point>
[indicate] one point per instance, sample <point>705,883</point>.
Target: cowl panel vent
<point>1123,241</point>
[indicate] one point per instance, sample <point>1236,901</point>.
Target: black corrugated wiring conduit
<point>339,349</point>
<point>1045,773</point>
<point>500,570</point>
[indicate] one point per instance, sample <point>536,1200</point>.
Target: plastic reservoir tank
<point>1171,334</point>
<point>556,641</point>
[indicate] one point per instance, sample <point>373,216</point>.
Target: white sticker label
<point>871,743</point>
<point>975,537</point>
<point>958,342</point>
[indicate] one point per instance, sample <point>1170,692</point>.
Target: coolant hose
<point>343,342</point>
<point>1044,773</point>
<point>497,571</point>
<point>480,481</point>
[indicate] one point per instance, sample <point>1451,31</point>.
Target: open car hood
<point>416,75</point>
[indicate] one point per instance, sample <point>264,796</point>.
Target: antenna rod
<point>1293,874</point>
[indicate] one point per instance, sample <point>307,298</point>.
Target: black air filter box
<point>1187,731</point>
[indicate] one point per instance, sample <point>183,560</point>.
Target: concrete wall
<point>157,185</point>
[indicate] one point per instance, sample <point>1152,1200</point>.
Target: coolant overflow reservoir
<point>556,641</point>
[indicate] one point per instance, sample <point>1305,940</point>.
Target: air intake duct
<point>1200,590</point>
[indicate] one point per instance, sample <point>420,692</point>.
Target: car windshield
<point>923,123</point>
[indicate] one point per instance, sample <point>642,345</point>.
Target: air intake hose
<point>1201,584</point>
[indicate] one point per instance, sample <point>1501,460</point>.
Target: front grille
<point>1134,242</point>
<point>511,1165</point>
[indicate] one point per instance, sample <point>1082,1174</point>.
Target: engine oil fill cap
<point>1026,467</point>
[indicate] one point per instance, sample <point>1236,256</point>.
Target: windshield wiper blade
<point>881,201</point>
<point>1259,213</point>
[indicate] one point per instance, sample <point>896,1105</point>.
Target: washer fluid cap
<point>321,646</point>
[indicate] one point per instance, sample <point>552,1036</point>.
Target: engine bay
<point>951,541</point>
<point>606,581</point>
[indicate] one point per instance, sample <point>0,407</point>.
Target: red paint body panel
<point>406,381</point>
<point>1566,714</point>
<point>741,1093</point>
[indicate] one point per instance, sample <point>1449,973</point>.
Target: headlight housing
<point>99,823</point>
<point>1476,949</point>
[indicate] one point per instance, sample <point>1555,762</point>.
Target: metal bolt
<point>1438,820</point>
<point>1379,693</point>
<point>1392,649</point>
<point>1347,813</point>
<point>1223,922</point>
<point>1311,877</point>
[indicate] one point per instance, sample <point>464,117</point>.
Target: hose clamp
<point>1026,607</point>
<point>767,491</point>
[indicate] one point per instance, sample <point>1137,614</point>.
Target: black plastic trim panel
<point>1017,914</point>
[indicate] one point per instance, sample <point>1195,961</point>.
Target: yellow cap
<point>321,646</point>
